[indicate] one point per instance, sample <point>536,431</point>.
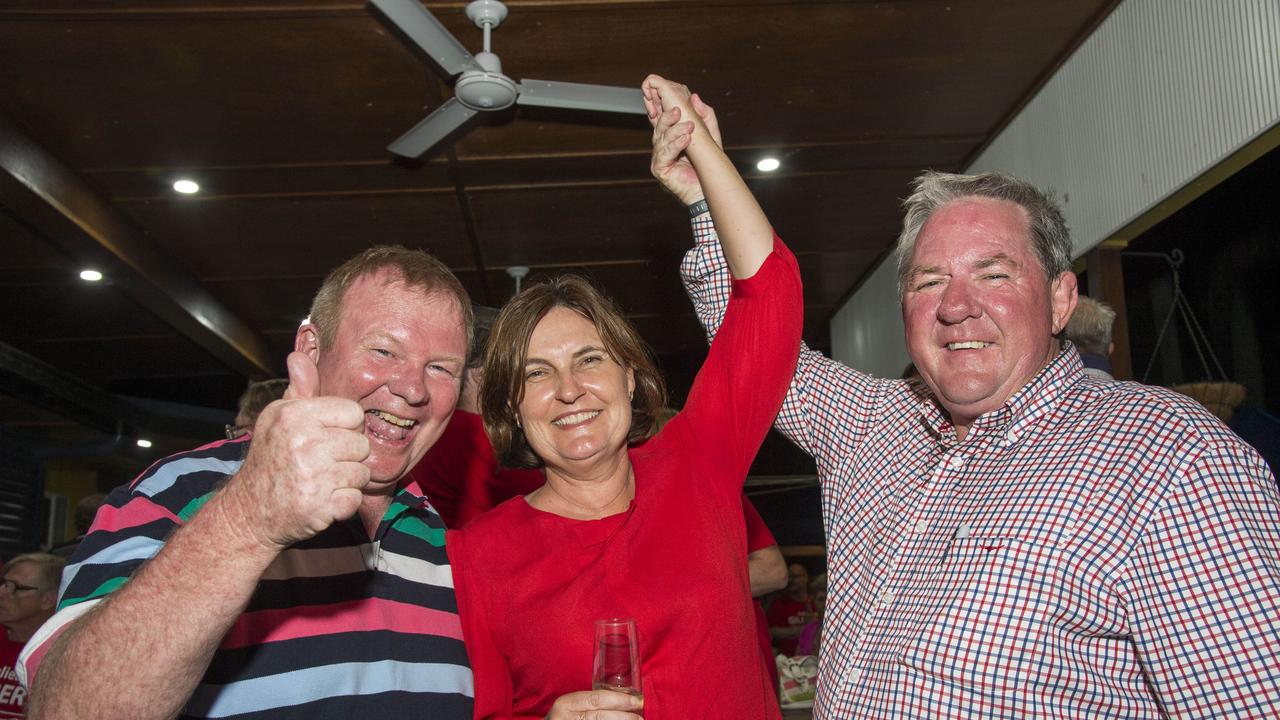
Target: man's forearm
<point>141,653</point>
<point>767,570</point>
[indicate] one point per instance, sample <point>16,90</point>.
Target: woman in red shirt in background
<point>652,532</point>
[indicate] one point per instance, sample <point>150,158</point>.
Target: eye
<point>535,374</point>
<point>441,369</point>
<point>996,276</point>
<point>592,360</point>
<point>383,352</point>
<point>925,285</point>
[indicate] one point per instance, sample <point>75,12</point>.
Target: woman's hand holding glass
<point>597,705</point>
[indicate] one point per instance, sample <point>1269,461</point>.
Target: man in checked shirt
<point>1013,539</point>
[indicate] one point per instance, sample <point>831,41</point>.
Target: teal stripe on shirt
<point>129,549</point>
<point>321,683</point>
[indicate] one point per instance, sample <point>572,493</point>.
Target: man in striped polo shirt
<point>291,572</point>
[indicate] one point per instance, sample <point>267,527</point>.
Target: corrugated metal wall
<point>1160,93</point>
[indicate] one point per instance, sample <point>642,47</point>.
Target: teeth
<point>576,418</point>
<point>971,345</point>
<point>398,421</point>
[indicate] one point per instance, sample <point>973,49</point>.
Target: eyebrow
<point>583,351</point>
<point>982,264</point>
<point>996,259</point>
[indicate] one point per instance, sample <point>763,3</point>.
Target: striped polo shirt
<point>339,626</point>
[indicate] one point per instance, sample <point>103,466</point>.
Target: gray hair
<point>1090,326</point>
<point>50,567</point>
<point>1050,239</point>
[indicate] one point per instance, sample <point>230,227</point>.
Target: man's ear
<point>307,341</point>
<point>49,599</point>
<point>1063,294</point>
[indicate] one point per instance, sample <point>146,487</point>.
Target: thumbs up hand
<point>304,470</point>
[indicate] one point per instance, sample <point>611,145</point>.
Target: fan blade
<point>580,96</point>
<point>424,30</point>
<point>449,122</point>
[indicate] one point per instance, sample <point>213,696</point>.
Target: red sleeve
<point>739,389</point>
<point>758,535</point>
<point>493,684</point>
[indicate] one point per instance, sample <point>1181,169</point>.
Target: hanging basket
<point>1221,398</point>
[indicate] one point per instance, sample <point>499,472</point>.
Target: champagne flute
<point>617,657</point>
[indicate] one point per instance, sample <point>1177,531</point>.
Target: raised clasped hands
<point>596,705</point>
<point>304,470</point>
<point>680,121</point>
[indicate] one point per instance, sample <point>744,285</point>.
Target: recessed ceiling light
<point>186,187</point>
<point>144,443</point>
<point>768,165</point>
<point>90,275</point>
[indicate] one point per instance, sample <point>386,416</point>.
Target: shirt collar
<point>1026,406</point>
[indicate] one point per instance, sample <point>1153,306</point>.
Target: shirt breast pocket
<point>982,615</point>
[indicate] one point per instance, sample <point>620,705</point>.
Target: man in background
<point>255,398</point>
<point>790,611</point>
<point>28,596</point>
<point>1089,329</point>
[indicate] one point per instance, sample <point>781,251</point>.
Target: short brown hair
<point>508,351</point>
<point>416,269</point>
<point>258,395</point>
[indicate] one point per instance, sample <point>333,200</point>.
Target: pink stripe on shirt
<point>265,626</point>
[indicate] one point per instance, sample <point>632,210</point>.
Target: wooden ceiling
<point>282,110</point>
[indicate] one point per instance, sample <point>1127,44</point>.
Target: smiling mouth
<point>386,426</point>
<point>393,419</point>
<point>575,418</point>
<point>968,345</point>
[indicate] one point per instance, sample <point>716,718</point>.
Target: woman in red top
<point>654,531</point>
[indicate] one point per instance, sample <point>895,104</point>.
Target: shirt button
<point>886,598</point>
<point>921,527</point>
<point>956,461</point>
<point>963,531</point>
<point>853,676</point>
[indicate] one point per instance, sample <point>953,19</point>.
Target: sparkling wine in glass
<point>617,659</point>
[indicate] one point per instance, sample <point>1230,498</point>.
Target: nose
<point>958,303</point>
<point>410,384</point>
<point>568,389</point>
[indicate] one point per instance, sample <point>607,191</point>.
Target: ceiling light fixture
<point>90,275</point>
<point>186,187</point>
<point>144,443</point>
<point>768,165</point>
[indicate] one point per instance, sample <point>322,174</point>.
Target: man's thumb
<point>304,377</point>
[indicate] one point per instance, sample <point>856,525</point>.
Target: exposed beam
<point>67,212</point>
<point>34,381</point>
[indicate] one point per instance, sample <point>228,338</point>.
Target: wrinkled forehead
<point>974,230</point>
<point>385,292</point>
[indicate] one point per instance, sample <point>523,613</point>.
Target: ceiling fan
<point>481,87</point>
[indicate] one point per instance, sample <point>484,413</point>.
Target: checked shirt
<point>1090,550</point>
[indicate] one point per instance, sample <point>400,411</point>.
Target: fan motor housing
<point>485,91</point>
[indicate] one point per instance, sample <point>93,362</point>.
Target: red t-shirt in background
<point>13,696</point>
<point>759,538</point>
<point>460,474</point>
<point>785,612</point>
